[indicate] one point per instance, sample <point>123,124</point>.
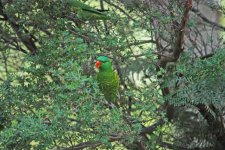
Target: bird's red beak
<point>98,64</point>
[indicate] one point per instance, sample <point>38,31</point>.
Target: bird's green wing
<point>109,84</point>
<point>116,78</point>
<point>86,12</point>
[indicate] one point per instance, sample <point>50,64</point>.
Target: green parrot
<point>86,12</point>
<point>108,79</point>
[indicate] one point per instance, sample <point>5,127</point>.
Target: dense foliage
<point>171,92</point>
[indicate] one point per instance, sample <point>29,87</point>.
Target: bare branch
<point>198,13</point>
<point>119,8</point>
<point>152,128</point>
<point>21,32</point>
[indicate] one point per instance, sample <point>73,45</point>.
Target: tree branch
<point>25,38</point>
<point>173,57</point>
<point>204,110</point>
<point>152,128</point>
<point>93,144</point>
<point>215,125</point>
<point>198,13</point>
<point>180,32</point>
<point>113,138</point>
<point>120,9</point>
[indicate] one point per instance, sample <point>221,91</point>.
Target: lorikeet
<point>107,78</point>
<point>86,12</point>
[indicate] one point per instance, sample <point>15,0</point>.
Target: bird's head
<point>103,63</point>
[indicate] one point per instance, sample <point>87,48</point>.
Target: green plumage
<point>86,12</point>
<point>108,79</point>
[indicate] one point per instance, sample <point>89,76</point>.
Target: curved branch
<point>20,31</point>
<point>174,56</point>
<point>198,13</point>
